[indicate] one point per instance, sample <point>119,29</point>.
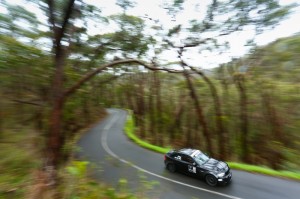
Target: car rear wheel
<point>211,180</point>
<point>171,167</point>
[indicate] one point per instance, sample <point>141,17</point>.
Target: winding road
<point>115,157</point>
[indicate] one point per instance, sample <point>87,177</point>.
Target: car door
<point>177,158</point>
<point>201,171</point>
<point>189,165</point>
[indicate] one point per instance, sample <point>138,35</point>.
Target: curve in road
<point>106,145</point>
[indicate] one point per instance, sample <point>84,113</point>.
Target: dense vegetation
<point>57,78</point>
<point>258,91</point>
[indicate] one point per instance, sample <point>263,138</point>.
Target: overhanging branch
<point>91,74</point>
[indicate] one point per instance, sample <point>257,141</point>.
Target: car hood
<point>215,165</point>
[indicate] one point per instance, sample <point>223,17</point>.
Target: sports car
<point>195,163</point>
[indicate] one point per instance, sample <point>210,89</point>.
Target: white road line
<point>108,150</point>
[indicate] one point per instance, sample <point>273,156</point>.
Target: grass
<point>130,132</point>
<point>17,162</point>
<point>129,129</point>
<point>264,170</point>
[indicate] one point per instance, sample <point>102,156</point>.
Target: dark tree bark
<point>199,113</point>
<point>54,141</point>
<point>177,117</point>
<point>1,119</point>
<point>227,108</point>
<point>159,110</point>
<point>271,114</point>
<point>244,123</point>
<point>55,135</point>
<point>221,131</point>
<point>85,108</point>
<point>141,105</point>
<point>130,101</point>
<point>152,109</point>
<point>188,134</point>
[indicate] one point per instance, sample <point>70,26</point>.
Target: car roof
<point>189,151</point>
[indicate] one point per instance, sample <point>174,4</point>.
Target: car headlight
<point>221,174</point>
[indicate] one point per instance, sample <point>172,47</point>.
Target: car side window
<point>188,159</point>
<point>191,160</point>
<point>177,156</point>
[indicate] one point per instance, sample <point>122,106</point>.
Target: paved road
<point>116,157</point>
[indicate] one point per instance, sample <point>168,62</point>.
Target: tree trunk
<point>199,113</point>
<point>227,112</point>
<point>152,109</point>
<point>55,137</point>
<point>244,124</point>
<point>188,135</point>
<point>1,117</point>
<point>177,117</point>
<point>277,134</point>
<point>54,142</point>
<point>141,105</point>
<point>221,132</point>
<point>85,108</point>
<point>159,119</point>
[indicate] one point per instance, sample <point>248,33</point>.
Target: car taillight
<point>164,157</point>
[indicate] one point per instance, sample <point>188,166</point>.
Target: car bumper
<point>226,179</point>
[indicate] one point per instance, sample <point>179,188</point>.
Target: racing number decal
<point>178,157</point>
<point>192,169</point>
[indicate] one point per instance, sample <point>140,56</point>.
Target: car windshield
<point>201,158</point>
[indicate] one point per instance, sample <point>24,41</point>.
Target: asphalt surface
<point>114,157</point>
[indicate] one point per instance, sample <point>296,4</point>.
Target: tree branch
<point>68,11</point>
<point>51,13</point>
<point>59,31</point>
<point>27,102</point>
<point>91,74</point>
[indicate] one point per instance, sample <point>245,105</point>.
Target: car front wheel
<point>171,167</point>
<point>211,180</point>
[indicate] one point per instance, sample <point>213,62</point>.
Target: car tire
<point>211,180</point>
<point>171,167</point>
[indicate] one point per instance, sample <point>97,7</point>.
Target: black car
<point>195,163</point>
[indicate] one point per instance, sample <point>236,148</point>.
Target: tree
<point>221,130</point>
<point>72,46</point>
<point>222,19</point>
<point>67,39</point>
<point>200,115</point>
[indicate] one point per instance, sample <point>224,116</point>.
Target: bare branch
<point>27,102</point>
<point>91,74</point>
<point>189,45</point>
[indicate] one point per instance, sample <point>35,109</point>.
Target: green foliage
<point>78,168</point>
<point>27,70</point>
<point>261,14</point>
<point>264,170</point>
<point>129,130</point>
<point>146,185</point>
<point>125,4</point>
<point>130,38</point>
<point>16,15</point>
<point>77,184</point>
<point>18,160</point>
<point>23,63</point>
<point>174,7</point>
